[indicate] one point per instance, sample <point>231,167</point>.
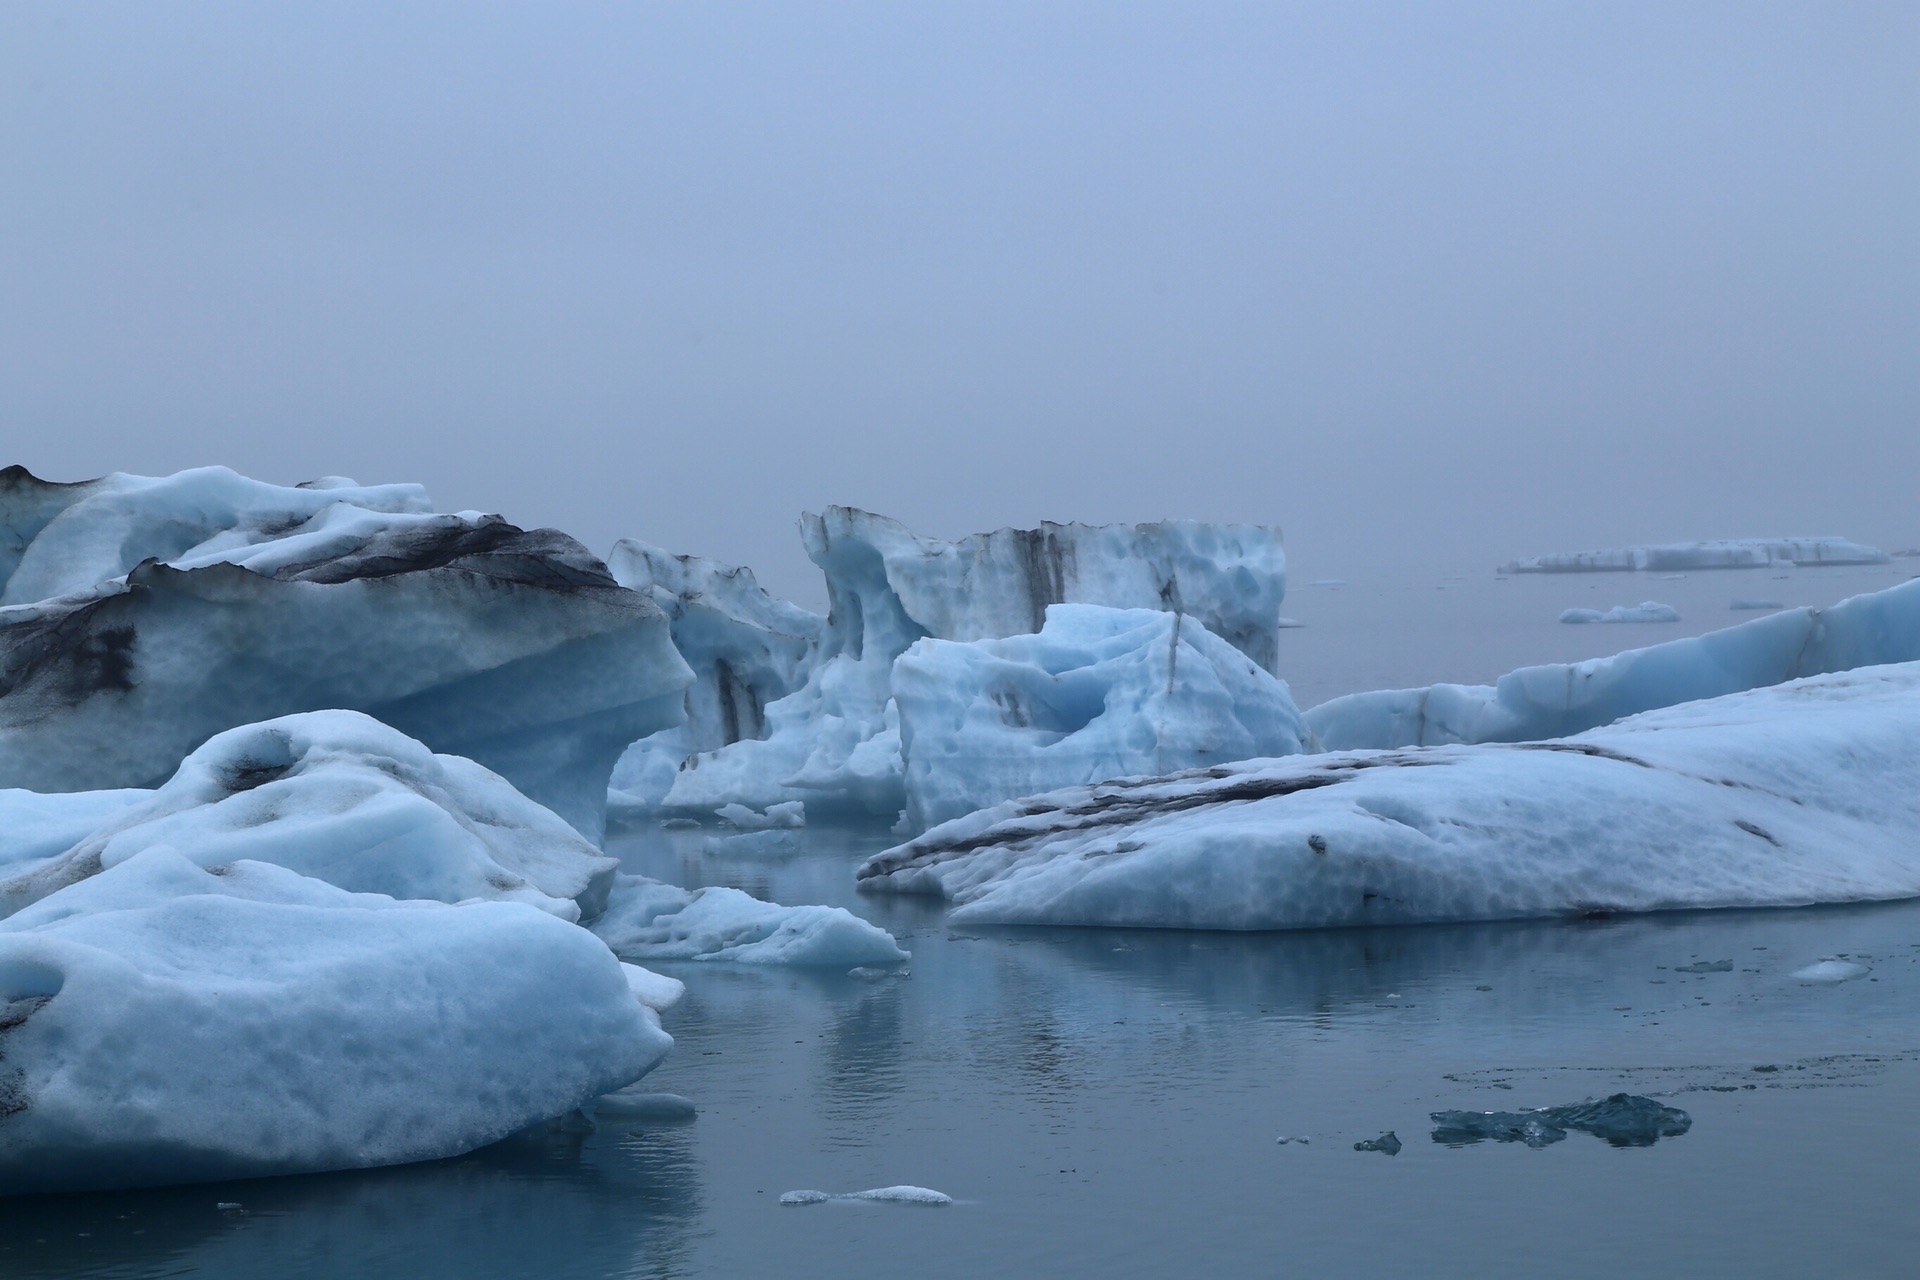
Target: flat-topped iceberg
<point>1804,793</point>
<point>185,606</point>
<point>1563,698</point>
<point>1645,611</point>
<point>167,1022</point>
<point>1096,693</point>
<point>1725,553</point>
<point>835,741</point>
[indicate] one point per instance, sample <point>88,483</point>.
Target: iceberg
<point>164,1022</point>
<point>1804,793</point>
<point>143,616</point>
<point>1726,553</point>
<point>1566,698</point>
<point>834,742</point>
<point>335,796</point>
<point>745,647</point>
<point>880,1195</point>
<point>649,921</point>
<point>1645,611</point>
<point>1096,693</point>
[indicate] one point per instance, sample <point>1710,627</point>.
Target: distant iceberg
<point>1645,611</point>
<point>1805,793</point>
<point>1096,693</point>
<point>835,741</point>
<point>1564,698</point>
<point>1727,553</point>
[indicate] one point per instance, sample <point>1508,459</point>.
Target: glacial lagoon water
<point>1107,1103</point>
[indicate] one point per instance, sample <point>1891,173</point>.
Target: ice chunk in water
<point>626,1104</point>
<point>1622,1119</point>
<point>1388,1142</point>
<point>889,1195</point>
<point>1831,971</point>
<point>1645,611</point>
<point>1705,966</point>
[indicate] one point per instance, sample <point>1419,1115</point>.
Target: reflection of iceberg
<point>1729,553</point>
<point>1097,693</point>
<point>1805,793</point>
<point>1556,700</point>
<point>835,741</point>
<point>143,616</point>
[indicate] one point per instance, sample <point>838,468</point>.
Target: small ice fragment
<point>1388,1142</point>
<point>622,1105</point>
<point>1756,604</point>
<point>1304,1141</point>
<point>1831,971</point>
<point>679,824</point>
<point>1705,966</point>
<point>1328,582</point>
<point>884,1195</point>
<point>791,813</point>
<point>228,1206</point>
<point>867,973</point>
<point>765,843</point>
<point>1283,1140</point>
<point>1288,624</point>
<point>1645,611</point>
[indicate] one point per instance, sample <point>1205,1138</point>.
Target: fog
<point>1444,283</point>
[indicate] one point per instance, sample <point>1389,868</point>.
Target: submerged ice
<point>1620,1120</point>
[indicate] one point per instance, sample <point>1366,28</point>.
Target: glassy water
<point>1106,1103</point>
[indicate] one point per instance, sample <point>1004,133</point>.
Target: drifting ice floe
<point>885,1195</point>
<point>1740,605</point>
<point>1730,553</point>
<point>1831,971</point>
<point>1621,1120</point>
<point>1645,611</point>
<point>646,920</point>
<point>835,741</point>
<point>1097,693</point>
<point>1556,700</point>
<point>143,616</point>
<point>1805,793</point>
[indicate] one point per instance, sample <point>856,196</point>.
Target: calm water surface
<point>1106,1103</point>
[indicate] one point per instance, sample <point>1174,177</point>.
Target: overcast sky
<point>1455,282</point>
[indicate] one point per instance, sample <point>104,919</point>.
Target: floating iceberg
<point>1621,1120</point>
<point>1740,605</point>
<point>1645,611</point>
<point>1096,693</point>
<point>1831,971</point>
<point>835,741</point>
<point>339,797</point>
<point>163,1022</point>
<point>882,1195</point>
<point>1727,553</point>
<point>1805,793</point>
<point>746,648</point>
<point>143,616</point>
<point>1557,700</point>
<point>650,921</point>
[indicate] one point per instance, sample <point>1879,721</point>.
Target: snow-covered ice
<point>1726,553</point>
<point>649,921</point>
<point>1804,793</point>
<point>165,1022</point>
<point>835,741</point>
<point>339,797</point>
<point>1564,698</point>
<point>1096,693</point>
<point>1645,611</point>
<point>143,616</point>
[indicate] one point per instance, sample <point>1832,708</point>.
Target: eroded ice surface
<point>1564,698</point>
<point>1096,693</point>
<point>1726,553</point>
<point>1620,1120</point>
<point>1804,793</point>
<point>649,921</point>
<point>164,1022</point>
<point>143,616</point>
<point>1645,611</point>
<point>835,741</point>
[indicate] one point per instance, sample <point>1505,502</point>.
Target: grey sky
<point>1460,281</point>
